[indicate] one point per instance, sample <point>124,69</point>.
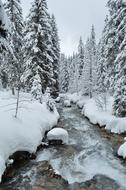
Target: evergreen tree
<point>38,47</point>
<point>15,66</point>
<point>103,84</point>
<point>64,74</point>
<point>80,56</point>
<point>93,62</point>
<point>86,70</point>
<point>56,57</point>
<point>89,77</point>
<point>4,45</point>
<point>3,28</point>
<point>120,62</point>
<point>111,45</point>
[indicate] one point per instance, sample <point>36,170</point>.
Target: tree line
<point>29,49</point>
<point>99,68</point>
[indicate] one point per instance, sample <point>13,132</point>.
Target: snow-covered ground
<point>25,132</point>
<point>99,111</point>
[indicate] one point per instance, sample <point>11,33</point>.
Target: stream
<point>86,163</point>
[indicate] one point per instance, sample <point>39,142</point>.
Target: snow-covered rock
<point>58,134</point>
<point>57,100</point>
<point>74,98</point>
<point>81,102</point>
<point>122,150</point>
<point>26,132</point>
<point>67,103</point>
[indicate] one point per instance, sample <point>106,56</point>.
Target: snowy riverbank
<point>94,110</point>
<point>26,132</point>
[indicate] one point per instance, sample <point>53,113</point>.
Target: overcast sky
<point>75,18</point>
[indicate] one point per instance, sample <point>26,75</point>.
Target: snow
<point>99,113</point>
<point>122,150</point>
<point>67,103</point>
<point>95,114</point>
<point>74,98</point>
<point>57,100</point>
<point>4,18</point>
<point>58,134</point>
<point>104,118</point>
<point>94,110</point>
<point>82,102</point>
<point>111,123</point>
<point>26,132</point>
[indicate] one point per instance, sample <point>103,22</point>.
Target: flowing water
<point>91,155</point>
<point>87,156</point>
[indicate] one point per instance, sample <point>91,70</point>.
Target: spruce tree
<point>4,45</point>
<point>63,74</point>
<point>3,28</point>
<point>119,106</point>
<point>90,68</point>
<point>38,47</point>
<point>111,45</point>
<point>15,66</point>
<point>80,56</point>
<point>55,56</point>
<point>103,84</point>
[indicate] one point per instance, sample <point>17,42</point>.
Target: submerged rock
<point>99,182</point>
<point>36,176</point>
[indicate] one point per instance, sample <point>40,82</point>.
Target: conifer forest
<point>62,95</point>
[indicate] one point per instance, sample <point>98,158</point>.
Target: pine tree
<point>86,70</point>
<point>4,45</point>
<point>103,84</point>
<point>3,28</point>
<point>101,87</point>
<point>93,63</point>
<point>14,12</point>
<point>63,74</point>
<point>56,57</point>
<point>111,45</point>
<point>89,77</point>
<point>80,56</point>
<point>119,106</point>
<point>38,47</point>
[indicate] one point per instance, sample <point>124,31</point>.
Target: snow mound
<point>74,98</point>
<point>82,102</point>
<point>58,134</point>
<point>122,150</point>
<point>57,100</point>
<point>67,103</point>
<point>26,132</point>
<point>104,118</point>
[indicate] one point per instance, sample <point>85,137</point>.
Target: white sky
<point>75,18</point>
